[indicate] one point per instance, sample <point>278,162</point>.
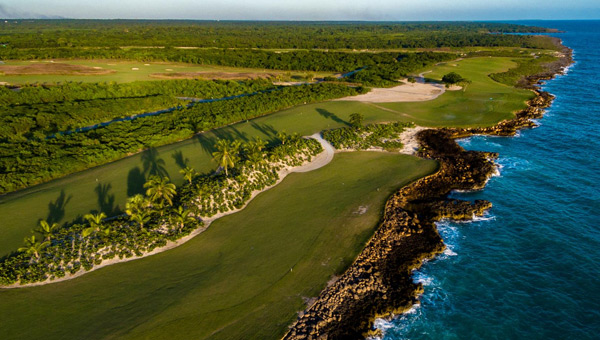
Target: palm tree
<point>282,136</point>
<point>180,217</point>
<point>226,154</point>
<point>160,190</point>
<point>135,204</point>
<point>254,149</point>
<point>140,217</point>
<point>95,221</point>
<point>188,173</point>
<point>32,247</point>
<point>46,229</point>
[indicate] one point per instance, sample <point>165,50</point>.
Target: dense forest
<point>24,162</point>
<point>308,35</point>
<point>289,60</point>
<point>39,111</point>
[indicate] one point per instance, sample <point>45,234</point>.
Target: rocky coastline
<point>379,283</point>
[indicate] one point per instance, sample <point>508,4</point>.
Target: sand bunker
<point>52,68</point>
<point>407,92</point>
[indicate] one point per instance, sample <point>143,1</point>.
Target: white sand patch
<point>409,141</point>
<point>407,92</point>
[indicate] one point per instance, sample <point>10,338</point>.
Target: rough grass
<point>245,277</point>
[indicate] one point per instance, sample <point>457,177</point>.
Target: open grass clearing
<point>107,187</point>
<point>245,276</point>
<point>128,71</point>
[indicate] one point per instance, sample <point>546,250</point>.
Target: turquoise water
<point>531,268</point>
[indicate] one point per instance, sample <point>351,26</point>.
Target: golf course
<point>249,274</point>
<point>484,102</point>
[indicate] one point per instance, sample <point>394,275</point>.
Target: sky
<point>369,10</point>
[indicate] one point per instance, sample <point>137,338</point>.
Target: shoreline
<point>379,282</point>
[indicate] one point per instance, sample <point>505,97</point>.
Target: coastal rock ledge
<point>379,282</point>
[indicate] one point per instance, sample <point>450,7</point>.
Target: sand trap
<point>407,92</point>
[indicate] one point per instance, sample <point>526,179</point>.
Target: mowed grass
<point>107,187</point>
<point>483,103</point>
<point>128,71</point>
<point>245,277</point>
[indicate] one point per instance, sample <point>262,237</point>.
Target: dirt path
<point>321,159</point>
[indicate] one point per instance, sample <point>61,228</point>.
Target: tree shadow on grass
<point>206,143</point>
<point>266,129</point>
<point>56,209</point>
<point>106,201</point>
<point>180,160</point>
<point>153,164</point>
<point>135,182</point>
<point>330,115</point>
<point>238,134</point>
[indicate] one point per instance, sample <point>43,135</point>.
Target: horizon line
<point>296,20</point>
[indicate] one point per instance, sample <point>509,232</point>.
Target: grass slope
<point>106,188</point>
<point>245,277</point>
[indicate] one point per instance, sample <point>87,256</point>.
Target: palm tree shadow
<point>266,129</point>
<point>106,201</point>
<point>153,164</point>
<point>330,115</point>
<point>180,160</point>
<point>135,182</point>
<point>206,143</point>
<point>56,209</point>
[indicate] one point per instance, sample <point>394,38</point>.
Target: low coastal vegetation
<point>359,137</point>
<point>163,214</point>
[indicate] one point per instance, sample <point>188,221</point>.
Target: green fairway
<point>483,103</point>
<point>106,188</point>
<point>245,277</point>
<point>128,71</point>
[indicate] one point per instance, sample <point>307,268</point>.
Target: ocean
<point>530,269</point>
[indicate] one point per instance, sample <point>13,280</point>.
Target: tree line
<point>42,110</point>
<point>27,162</point>
<point>307,35</point>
